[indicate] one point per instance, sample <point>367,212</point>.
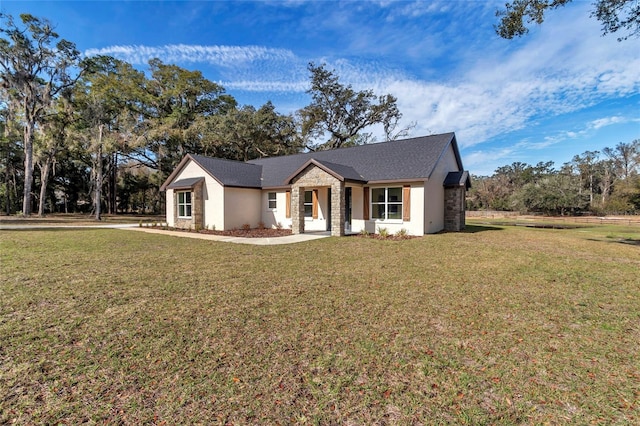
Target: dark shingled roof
<point>407,159</point>
<point>454,179</point>
<point>347,172</point>
<point>231,173</point>
<point>185,183</point>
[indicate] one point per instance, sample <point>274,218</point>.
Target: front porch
<point>319,192</point>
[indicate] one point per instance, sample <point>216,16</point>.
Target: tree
<point>53,139</point>
<point>175,106</point>
<point>101,100</point>
<point>554,194</point>
<point>615,15</point>
<point>246,133</point>
<point>33,71</point>
<point>10,155</point>
<point>343,113</point>
<point>586,165</point>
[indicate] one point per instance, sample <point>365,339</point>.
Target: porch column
<point>297,209</point>
<point>337,209</point>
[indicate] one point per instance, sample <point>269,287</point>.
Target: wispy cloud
<point>224,56</point>
<point>493,88</point>
<point>607,121</point>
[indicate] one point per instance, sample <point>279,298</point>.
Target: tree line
<point>94,134</point>
<point>595,182</point>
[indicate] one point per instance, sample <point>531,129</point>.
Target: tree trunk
<point>28,168</point>
<point>44,179</point>
<point>113,170</point>
<point>98,193</point>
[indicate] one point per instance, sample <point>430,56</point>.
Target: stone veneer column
<point>337,209</point>
<point>454,209</point>
<point>197,204</point>
<point>297,209</point>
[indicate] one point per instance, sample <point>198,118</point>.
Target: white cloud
<point>225,56</point>
<point>494,86</point>
<point>607,121</point>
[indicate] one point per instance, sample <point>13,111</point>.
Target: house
<point>416,184</point>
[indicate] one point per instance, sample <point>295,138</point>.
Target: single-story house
<point>416,184</point>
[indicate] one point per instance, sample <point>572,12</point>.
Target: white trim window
<point>386,203</point>
<point>184,204</point>
<point>308,204</point>
<point>271,200</point>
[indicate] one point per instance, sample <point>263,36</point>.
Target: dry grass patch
<point>496,325</point>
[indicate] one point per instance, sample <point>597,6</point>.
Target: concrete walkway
<point>289,239</point>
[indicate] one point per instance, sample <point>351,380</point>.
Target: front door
<point>347,209</point>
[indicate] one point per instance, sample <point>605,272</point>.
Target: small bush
<point>383,232</point>
<point>198,227</point>
<point>402,233</point>
<point>260,225</point>
<point>364,232</point>
<point>140,224</point>
<point>246,227</point>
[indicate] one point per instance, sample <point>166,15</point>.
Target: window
<point>272,200</point>
<point>386,203</point>
<point>184,204</point>
<point>308,203</point>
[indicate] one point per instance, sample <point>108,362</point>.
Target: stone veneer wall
<point>310,178</point>
<point>454,209</point>
<point>197,216</point>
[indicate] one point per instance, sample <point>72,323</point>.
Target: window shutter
<point>406,203</point>
<point>287,210</point>
<point>365,203</point>
<point>314,207</point>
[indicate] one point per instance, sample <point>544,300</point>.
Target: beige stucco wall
<point>212,193</point>
<point>357,223</point>
<point>319,224</point>
<point>242,206</point>
<point>434,193</point>
<point>272,217</point>
<point>170,208</point>
<point>415,226</point>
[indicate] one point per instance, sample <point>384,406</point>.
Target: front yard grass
<point>495,325</point>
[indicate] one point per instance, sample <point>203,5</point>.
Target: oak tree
<point>342,113</point>
<point>614,15</point>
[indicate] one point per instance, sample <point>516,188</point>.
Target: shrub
<point>383,232</point>
<point>260,225</point>
<point>402,233</point>
<point>246,227</point>
<point>364,232</point>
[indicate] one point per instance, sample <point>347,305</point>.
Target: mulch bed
<point>388,237</point>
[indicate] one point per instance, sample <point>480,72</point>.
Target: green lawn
<point>495,325</point>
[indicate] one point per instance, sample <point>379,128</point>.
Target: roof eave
<point>406,180</point>
<point>316,163</point>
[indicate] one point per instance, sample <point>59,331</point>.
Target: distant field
<point>510,218</point>
<point>497,325</point>
<point>60,219</point>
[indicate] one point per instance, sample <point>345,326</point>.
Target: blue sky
<point>561,90</point>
